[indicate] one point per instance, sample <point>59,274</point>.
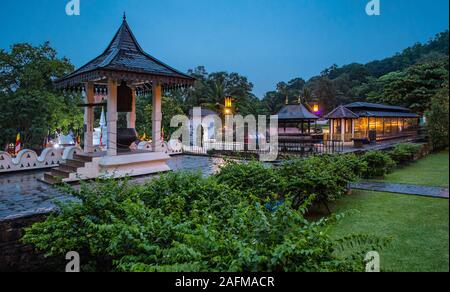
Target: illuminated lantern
<point>228,102</point>
<point>316,107</point>
<point>228,105</point>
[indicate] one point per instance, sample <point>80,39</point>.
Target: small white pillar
<point>131,117</point>
<point>156,117</point>
<point>89,119</point>
<point>112,117</point>
<point>343,130</point>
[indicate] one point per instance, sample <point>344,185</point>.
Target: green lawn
<point>430,171</point>
<point>418,226</point>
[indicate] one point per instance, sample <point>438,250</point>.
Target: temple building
<point>374,122</point>
<point>121,70</point>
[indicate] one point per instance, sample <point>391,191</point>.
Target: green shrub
<point>404,153</point>
<point>253,178</point>
<point>183,222</point>
<point>326,177</point>
<point>378,163</point>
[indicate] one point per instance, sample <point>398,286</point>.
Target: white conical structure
<point>103,127</point>
<point>100,135</point>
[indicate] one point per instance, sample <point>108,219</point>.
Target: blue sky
<point>266,40</point>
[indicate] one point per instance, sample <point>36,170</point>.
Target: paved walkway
<point>425,191</point>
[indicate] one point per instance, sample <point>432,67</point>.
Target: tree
<point>28,101</point>
<point>413,87</point>
<point>210,90</point>
<point>438,119</point>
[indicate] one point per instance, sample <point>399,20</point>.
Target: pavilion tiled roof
<point>341,112</point>
<point>364,109</point>
<point>376,107</point>
<point>296,112</point>
<point>125,55</point>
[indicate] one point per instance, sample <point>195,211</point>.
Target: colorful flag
<point>47,140</point>
<point>162,135</point>
<point>18,144</point>
<point>78,139</point>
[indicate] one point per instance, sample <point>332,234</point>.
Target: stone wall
<point>16,256</point>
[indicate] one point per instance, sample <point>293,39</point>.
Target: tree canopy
<point>28,101</point>
<point>409,78</point>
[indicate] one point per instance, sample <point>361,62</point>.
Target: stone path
<point>425,191</point>
<point>23,195</point>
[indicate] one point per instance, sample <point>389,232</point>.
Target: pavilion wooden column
<point>353,128</point>
<point>343,130</point>
<point>89,119</point>
<point>156,117</point>
<point>112,118</point>
<point>131,117</point>
<point>331,129</point>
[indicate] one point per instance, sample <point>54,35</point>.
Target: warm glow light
<point>227,111</point>
<point>316,108</point>
<point>228,102</point>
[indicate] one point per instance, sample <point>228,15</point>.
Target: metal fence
<point>297,148</point>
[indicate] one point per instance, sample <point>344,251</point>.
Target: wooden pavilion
<point>121,70</point>
<point>371,122</point>
<point>296,120</point>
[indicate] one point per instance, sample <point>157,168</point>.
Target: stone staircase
<point>65,169</point>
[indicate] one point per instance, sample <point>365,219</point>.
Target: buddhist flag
<point>47,140</point>
<point>78,139</point>
<point>18,144</point>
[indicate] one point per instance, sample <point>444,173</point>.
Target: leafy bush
<point>404,153</point>
<point>378,163</point>
<point>253,178</point>
<point>183,222</point>
<point>326,177</point>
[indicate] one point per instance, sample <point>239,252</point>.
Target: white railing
<point>29,160</point>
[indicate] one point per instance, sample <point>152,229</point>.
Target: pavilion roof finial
<point>124,16</point>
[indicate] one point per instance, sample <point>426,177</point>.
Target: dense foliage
<point>247,217</point>
<point>324,177</point>
<point>438,119</point>
<point>378,163</point>
<point>410,78</point>
<point>210,89</point>
<point>404,153</point>
<point>184,222</point>
<point>29,103</point>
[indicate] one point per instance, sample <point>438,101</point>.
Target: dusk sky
<point>266,40</point>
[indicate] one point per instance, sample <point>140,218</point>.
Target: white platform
<point>133,164</point>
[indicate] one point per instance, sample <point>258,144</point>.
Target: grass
<point>418,226</point>
<point>430,171</point>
